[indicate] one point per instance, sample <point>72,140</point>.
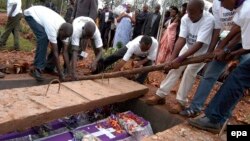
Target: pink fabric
<point>167,43</point>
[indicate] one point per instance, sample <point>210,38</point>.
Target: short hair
<point>147,40</point>
<point>199,3</point>
<point>67,28</point>
<point>89,28</point>
<point>175,9</point>
<point>184,5</point>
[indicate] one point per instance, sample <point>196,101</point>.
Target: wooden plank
<point>27,107</point>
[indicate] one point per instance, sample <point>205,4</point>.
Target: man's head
<point>195,10</point>
<point>174,11</point>
<point>88,30</point>
<point>145,8</point>
<point>228,4</point>
<point>129,8</point>
<point>65,31</point>
<point>184,8</point>
<point>106,8</point>
<point>145,43</point>
<point>157,8</point>
<point>72,2</point>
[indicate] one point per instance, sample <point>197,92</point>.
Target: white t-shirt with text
<point>200,31</point>
<point>50,20</point>
<point>134,49</point>
<point>78,24</point>
<point>242,19</point>
<point>223,17</point>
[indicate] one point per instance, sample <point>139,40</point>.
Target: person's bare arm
<point>119,65</point>
<point>97,59</point>
<point>178,46</point>
<point>141,63</point>
<point>66,57</point>
<point>214,41</point>
<point>12,10</point>
<point>55,52</point>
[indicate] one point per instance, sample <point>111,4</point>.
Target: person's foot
<point>155,100</point>
<point>17,48</point>
<point>176,107</point>
<point>2,75</point>
<point>50,71</point>
<point>2,46</point>
<point>204,123</point>
<point>36,73</point>
<point>189,112</point>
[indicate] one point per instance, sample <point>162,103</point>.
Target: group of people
<point>223,33</point>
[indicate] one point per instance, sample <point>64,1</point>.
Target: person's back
<point>50,20</point>
<point>87,8</point>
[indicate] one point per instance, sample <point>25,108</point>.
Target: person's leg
<point>212,73</point>
<point>187,81</point>
<point>16,31</point>
<point>221,106</point>
<point>112,58</point>
<point>42,42</point>
<point>106,37</point>
<point>8,29</point>
<point>170,80</point>
<point>142,77</point>
<point>229,94</point>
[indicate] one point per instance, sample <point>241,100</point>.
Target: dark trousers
<point>230,93</point>
<point>41,41</point>
<point>119,55</point>
<point>112,35</point>
<point>105,34</point>
<point>12,26</point>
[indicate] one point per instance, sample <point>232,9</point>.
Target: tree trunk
<point>191,60</point>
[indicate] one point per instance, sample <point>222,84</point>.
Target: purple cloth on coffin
<point>93,129</point>
<point>55,125</point>
<point>106,133</point>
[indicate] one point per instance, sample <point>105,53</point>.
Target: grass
<point>25,45</point>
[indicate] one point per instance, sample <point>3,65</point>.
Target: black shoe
<point>37,75</point>
<point>204,123</point>
<point>2,75</point>
<point>17,48</point>
<point>189,113</point>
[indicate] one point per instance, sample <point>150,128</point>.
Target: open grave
<point>32,105</point>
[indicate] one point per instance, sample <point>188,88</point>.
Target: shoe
<point>189,113</point>
<point>36,73</point>
<point>2,75</point>
<point>17,48</point>
<point>50,71</point>
<point>155,100</point>
<point>175,107</point>
<point>204,123</point>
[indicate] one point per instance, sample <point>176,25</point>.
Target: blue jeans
<point>211,75</point>
<point>42,42</point>
<point>230,93</point>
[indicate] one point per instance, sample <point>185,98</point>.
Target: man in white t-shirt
<point>144,47</point>
<point>223,24</point>
<point>84,29</point>
<point>230,93</point>
<point>194,38</point>
<point>49,27</point>
<point>14,13</point>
